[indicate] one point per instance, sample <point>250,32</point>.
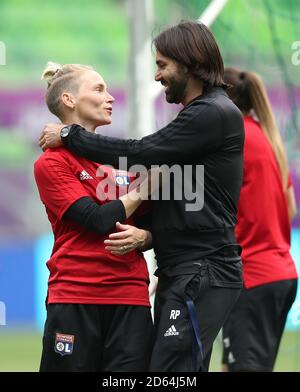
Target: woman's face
<point>93,103</point>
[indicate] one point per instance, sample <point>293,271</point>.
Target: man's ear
<point>68,100</point>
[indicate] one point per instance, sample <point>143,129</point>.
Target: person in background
<point>98,310</point>
<point>252,333</point>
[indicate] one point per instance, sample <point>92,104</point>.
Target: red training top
<point>81,270</point>
<point>263,228</point>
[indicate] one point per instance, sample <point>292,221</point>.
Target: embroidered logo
<point>174,314</point>
<point>64,344</point>
<point>171,331</point>
<point>85,176</point>
<point>121,178</point>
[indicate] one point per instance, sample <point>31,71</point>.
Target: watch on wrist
<point>64,132</point>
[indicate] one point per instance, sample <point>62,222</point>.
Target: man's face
<point>172,77</point>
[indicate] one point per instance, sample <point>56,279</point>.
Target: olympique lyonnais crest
<point>64,344</point>
<point>113,183</point>
<point>122,178</point>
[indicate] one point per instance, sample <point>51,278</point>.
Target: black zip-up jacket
<point>208,131</point>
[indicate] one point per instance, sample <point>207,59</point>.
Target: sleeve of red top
<point>58,186</point>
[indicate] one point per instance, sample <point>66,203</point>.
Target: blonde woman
<point>98,310</point>
<point>252,333</point>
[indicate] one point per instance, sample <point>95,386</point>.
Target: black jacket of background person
<point>208,131</point>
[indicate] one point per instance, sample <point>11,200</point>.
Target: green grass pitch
<point>20,352</point>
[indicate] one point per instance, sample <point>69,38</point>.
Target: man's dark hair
<point>193,45</point>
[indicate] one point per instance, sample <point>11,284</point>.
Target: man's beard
<point>176,89</point>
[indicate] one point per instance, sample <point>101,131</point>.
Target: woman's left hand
<point>125,240</point>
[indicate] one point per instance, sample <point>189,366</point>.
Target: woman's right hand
<point>127,239</point>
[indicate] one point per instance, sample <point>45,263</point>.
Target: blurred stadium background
<point>260,35</point>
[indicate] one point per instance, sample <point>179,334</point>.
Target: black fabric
<point>252,333</point>
<point>108,338</point>
<point>222,272</point>
<point>210,132</point>
<point>144,221</point>
<point>174,339</point>
<point>101,219</point>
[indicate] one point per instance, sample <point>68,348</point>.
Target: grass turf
<point>20,352</point>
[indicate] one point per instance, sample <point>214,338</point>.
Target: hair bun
<point>50,70</point>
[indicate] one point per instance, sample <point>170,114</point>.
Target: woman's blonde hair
<point>248,92</point>
<point>61,78</point>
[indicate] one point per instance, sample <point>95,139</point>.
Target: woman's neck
<point>90,127</point>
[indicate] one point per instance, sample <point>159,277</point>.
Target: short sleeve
<point>58,187</point>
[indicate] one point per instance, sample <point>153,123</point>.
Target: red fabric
<point>263,227</point>
<point>290,182</point>
<point>81,270</point>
